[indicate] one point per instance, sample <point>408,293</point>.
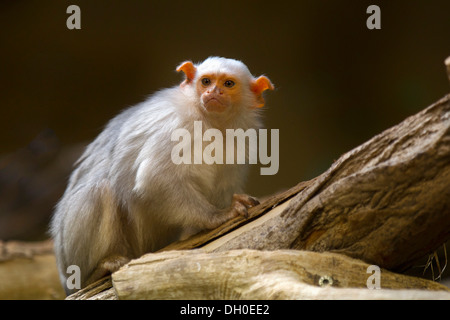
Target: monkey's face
<point>224,85</point>
<point>219,93</point>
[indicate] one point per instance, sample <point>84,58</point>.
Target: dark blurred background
<point>338,83</point>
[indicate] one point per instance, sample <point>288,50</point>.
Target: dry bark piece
<point>99,290</point>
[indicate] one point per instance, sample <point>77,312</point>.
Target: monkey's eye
<point>206,81</point>
<point>229,83</point>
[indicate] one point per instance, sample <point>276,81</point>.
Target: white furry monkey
<point>126,197</point>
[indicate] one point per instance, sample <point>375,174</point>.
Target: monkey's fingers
<point>245,199</point>
<point>253,201</point>
<point>240,209</point>
<point>242,202</point>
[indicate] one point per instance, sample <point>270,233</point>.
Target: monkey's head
<point>224,85</point>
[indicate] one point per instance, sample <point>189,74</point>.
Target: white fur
<point>126,197</point>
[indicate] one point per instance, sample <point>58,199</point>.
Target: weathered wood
<point>99,290</point>
<point>28,271</point>
<point>253,274</point>
<point>22,249</point>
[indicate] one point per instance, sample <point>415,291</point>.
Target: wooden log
<point>28,271</point>
<point>22,249</point>
<point>254,274</point>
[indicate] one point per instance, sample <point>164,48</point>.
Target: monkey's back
<point>88,221</point>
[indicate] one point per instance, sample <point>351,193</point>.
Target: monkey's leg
<point>107,266</point>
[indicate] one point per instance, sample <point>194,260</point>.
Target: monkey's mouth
<point>214,104</point>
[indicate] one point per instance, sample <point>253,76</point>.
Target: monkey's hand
<point>239,207</point>
<point>213,218</point>
<point>241,203</point>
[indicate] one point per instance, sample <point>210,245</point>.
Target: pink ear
<point>189,70</point>
<point>258,86</point>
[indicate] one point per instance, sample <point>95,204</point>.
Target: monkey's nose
<point>218,90</point>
